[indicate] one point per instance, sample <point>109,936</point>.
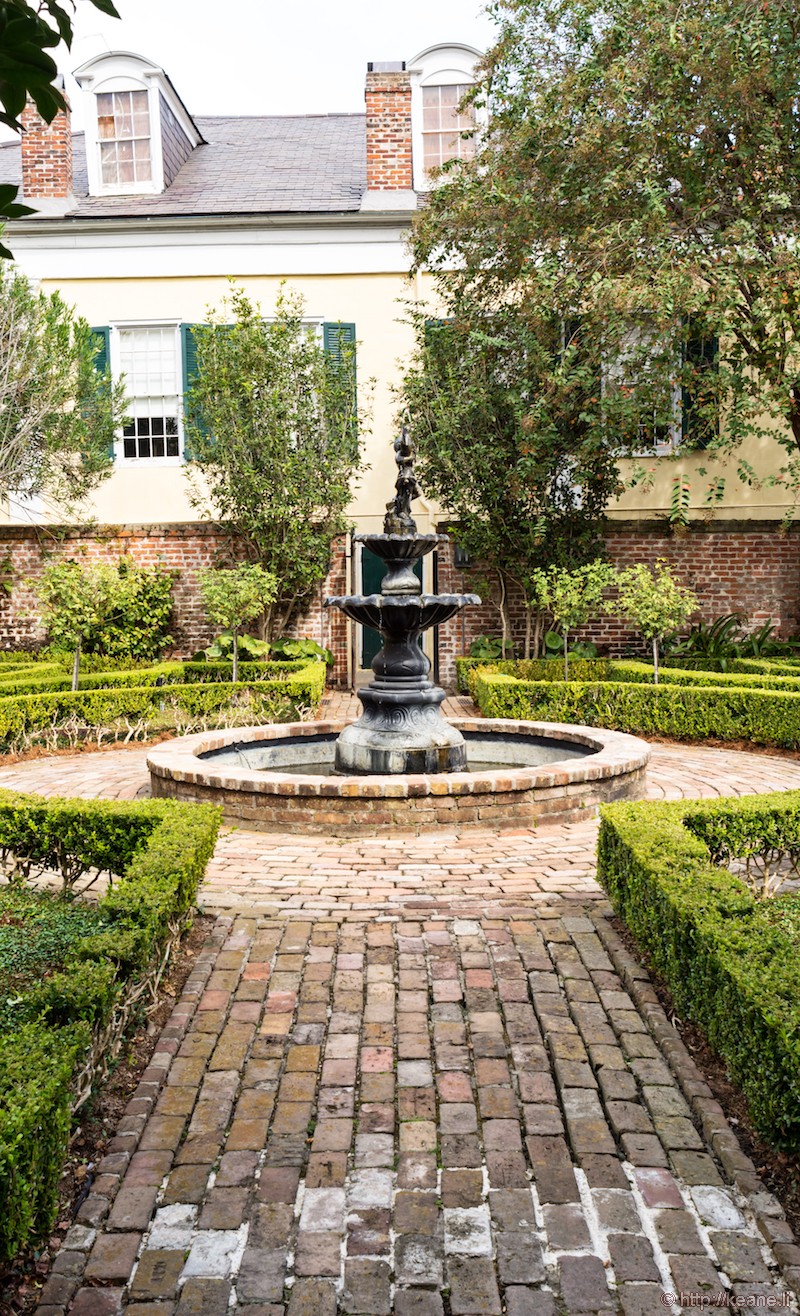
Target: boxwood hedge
<point>732,963</point>
<point>156,852</point>
<point>713,706</point>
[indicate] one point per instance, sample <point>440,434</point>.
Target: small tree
<point>235,596</point>
<point>58,415</point>
<point>272,432</point>
<point>572,597</point>
<point>653,602</point>
<point>75,602</point>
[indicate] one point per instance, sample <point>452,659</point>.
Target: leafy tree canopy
<point>27,33</point>
<point>58,414</point>
<point>236,596</point>
<point>653,602</point>
<point>273,439</point>
<point>642,169</point>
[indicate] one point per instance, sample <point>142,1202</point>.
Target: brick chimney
<point>47,160</point>
<point>390,178</point>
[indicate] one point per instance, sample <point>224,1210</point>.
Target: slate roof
<point>272,165</point>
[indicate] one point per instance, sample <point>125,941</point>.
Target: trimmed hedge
<point>731,962</point>
<point>157,851</point>
<point>765,717</point>
<point>531,669</point>
<point>280,698</point>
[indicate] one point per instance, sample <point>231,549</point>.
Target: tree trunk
<point>566,654</point>
<point>235,673</point>
<point>504,627</point>
<point>655,660</point>
<point>76,666</point>
<point>528,627</point>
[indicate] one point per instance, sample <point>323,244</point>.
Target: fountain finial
<point>398,519</point>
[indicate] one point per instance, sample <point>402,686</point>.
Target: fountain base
<point>400,731</point>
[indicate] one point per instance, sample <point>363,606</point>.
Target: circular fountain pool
<point>280,778</point>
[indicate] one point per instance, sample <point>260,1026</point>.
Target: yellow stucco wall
<point>153,494</point>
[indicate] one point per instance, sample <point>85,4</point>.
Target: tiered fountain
<point>401,729</point>
<point>401,765</point>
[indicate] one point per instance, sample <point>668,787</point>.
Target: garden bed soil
<point>21,1282</point>
<point>780,1171</point>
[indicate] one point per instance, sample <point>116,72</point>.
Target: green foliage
<point>269,421</point>
<point>302,648</point>
<point>74,603</point>
<point>531,669</point>
<point>58,415</point>
<point>250,648</point>
<point>488,647</point>
<point>731,963</point>
<point>138,627</point>
<point>276,692</point>
<point>37,933</point>
<point>236,596</point>
<point>503,401</point>
<point>693,712</point>
<point>157,851</point>
<point>642,169</point>
<point>572,597</point>
<point>653,602</point>
<point>725,639</point>
<point>35,1070</point>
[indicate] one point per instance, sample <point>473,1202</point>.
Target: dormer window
<point>441,76</point>
<point>123,130</point>
<point>139,133</point>
<point>443,123</point>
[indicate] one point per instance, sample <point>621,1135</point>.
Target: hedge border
<point>731,962</point>
<point>162,849</point>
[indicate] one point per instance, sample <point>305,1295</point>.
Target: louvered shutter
<point>102,358</point>
<point>339,338</point>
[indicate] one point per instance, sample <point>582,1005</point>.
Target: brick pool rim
<point>513,797</point>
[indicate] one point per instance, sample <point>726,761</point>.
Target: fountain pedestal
<point>401,729</point>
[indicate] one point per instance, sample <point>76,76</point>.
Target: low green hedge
<point>531,669</point>
<point>638,672</point>
<point>279,698</point>
<point>732,963</point>
<point>157,852</point>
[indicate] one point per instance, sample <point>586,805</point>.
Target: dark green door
<point>372,573</point>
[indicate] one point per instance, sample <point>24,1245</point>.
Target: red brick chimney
<point>389,163</point>
<point>46,156</point>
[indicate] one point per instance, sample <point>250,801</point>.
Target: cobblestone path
<point>422,1076</point>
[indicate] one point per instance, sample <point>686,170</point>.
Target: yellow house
<point>144,218</point>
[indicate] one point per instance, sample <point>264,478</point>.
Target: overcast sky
<point>272,56</point>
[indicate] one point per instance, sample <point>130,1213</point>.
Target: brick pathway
<point>422,1076</point>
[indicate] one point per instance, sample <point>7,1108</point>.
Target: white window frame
<point>115,360</point>
<point>438,66</point>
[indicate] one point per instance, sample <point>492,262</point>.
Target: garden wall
<point>733,566</point>
<point>184,548</point>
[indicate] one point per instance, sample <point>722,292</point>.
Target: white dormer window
<point>123,129</point>
<point>440,78</point>
<point>443,123</point>
<point>139,133</point>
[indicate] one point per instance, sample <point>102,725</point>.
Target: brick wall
<point>46,155</point>
<point>388,98</point>
<point>733,566</point>
<point>185,549</point>
<point>748,567</point>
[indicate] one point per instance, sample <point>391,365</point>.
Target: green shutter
<point>701,353</point>
<point>102,358</point>
<point>189,355</point>
<point>337,338</point>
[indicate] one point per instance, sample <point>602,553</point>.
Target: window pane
<point>149,361</point>
<point>123,127</point>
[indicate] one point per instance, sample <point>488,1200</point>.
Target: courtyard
<point>419,1075</point>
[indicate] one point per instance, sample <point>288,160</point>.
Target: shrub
<point>765,717</point>
<point>138,625</point>
<point>156,852</point>
<point>654,603</point>
<point>235,596</point>
<point>732,963</point>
